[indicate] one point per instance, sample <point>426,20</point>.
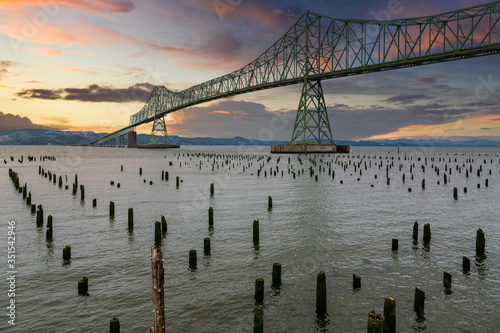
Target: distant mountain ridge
<point>46,137</point>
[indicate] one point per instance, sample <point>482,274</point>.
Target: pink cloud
<point>93,6</point>
<point>47,52</point>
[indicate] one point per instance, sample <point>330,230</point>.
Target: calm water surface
<point>342,225</point>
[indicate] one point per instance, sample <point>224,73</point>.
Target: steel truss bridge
<point>318,47</point>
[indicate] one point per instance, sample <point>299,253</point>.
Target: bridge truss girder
<point>321,47</point>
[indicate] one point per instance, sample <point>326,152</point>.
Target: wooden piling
<point>465,264</point>
<point>39,216</point>
<point>114,323</point>
<point>256,231</point>
<point>269,203</point>
<point>415,231</point>
<point>158,291</point>
<point>111,209</point>
<point>60,182</point>
<point>206,246</point>
<point>447,280</point>
<point>427,233</point>
<point>33,208</point>
<point>94,202</point>
<point>258,319</point>
<point>389,325</point>
<point>276,275</point>
<point>259,290</point>
<point>82,192</point>
<point>423,184</point>
<point>83,286</point>
<point>163,226</point>
<point>321,293</point>
<point>157,232</point>
<point>395,245</point>
<point>418,304</point>
<point>130,218</point>
<point>177,181</point>
<point>140,171</point>
<point>67,253</point>
<point>455,193</point>
<point>356,281</point>
<point>28,199</point>
<point>48,233</point>
<point>210,217</point>
<point>212,189</point>
<point>192,259</point>
<point>375,322</point>
<point>480,242</point>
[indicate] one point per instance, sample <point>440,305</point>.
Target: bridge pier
<point>121,141</point>
<point>132,139</point>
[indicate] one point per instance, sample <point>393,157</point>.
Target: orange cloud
<point>75,69</point>
<point>50,53</point>
<point>220,112</point>
<point>470,127</point>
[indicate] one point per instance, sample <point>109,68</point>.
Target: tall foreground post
<point>157,291</point>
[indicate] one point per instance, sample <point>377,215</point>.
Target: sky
<point>87,65</point>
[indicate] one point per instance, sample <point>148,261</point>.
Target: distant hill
<point>46,137</point>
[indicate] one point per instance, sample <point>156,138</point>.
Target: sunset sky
<point>87,65</point>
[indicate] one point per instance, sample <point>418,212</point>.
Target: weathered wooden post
<point>83,286</point>
<point>415,231</point>
<point>418,304</point>
<point>423,184</point>
<point>259,290</point>
<point>375,322</point>
<point>130,218</point>
<point>447,280</point>
<point>206,246</point>
<point>389,325</point>
<point>82,192</point>
<point>94,202</point>
<point>256,231</point>
<point>192,259</point>
<point>269,203</point>
<point>39,216</point>
<point>67,253</point>
<point>49,228</point>
<point>465,264</point>
<point>321,293</point>
<point>157,232</point>
<point>258,319</point>
<point>480,242</point>
<point>276,275</point>
<point>60,182</point>
<point>140,171</point>
<point>163,226</point>
<point>427,233</point>
<point>455,193</point>
<point>177,181</point>
<point>210,217</point>
<point>212,189</point>
<point>111,209</point>
<point>356,281</point>
<point>157,291</point>
<point>395,245</point>
<point>114,324</point>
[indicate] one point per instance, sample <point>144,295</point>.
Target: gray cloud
<point>94,93</point>
<point>406,99</point>
<point>9,122</point>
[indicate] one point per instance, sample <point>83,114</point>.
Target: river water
<point>341,225</point>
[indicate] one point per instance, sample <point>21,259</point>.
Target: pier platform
<point>157,145</point>
<point>310,148</point>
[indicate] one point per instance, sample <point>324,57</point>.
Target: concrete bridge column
<point>132,139</point>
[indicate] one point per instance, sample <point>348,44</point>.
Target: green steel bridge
<point>318,47</point>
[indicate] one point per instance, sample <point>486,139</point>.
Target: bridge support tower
<point>311,132</point>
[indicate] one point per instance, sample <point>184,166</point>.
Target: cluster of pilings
<point>319,165</point>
